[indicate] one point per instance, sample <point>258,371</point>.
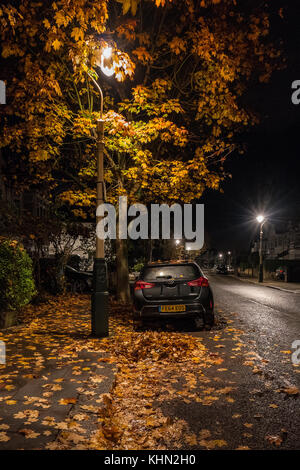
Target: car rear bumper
<point>152,311</point>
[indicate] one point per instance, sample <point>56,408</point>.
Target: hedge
<point>16,276</point>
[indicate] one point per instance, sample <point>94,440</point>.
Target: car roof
<point>169,263</point>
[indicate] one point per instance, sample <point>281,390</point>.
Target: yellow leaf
<point>47,23</point>
<point>134,4</point>
<point>67,401</point>
<point>77,34</point>
<point>56,44</point>
<point>4,437</point>
<point>126,6</point>
<point>9,387</point>
<point>60,18</point>
<point>290,390</point>
<point>213,443</point>
<point>191,439</point>
<point>277,440</point>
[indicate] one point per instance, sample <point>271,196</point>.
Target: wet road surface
<point>256,326</point>
<point>270,317</point>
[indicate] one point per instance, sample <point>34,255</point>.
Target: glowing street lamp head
<point>108,71</point>
<point>260,219</point>
<point>220,255</point>
<point>177,242</point>
<point>106,54</point>
<point>229,253</point>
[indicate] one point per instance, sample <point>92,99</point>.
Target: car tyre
<point>209,320</point>
<point>199,323</point>
<point>137,323</point>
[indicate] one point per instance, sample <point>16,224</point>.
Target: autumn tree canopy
<point>173,111</point>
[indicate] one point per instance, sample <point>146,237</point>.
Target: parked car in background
<point>222,269</point>
<point>280,274</point>
<point>79,281</point>
<point>133,275</point>
<point>174,290</point>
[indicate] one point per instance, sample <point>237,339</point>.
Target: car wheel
<point>137,322</point>
<point>199,323</point>
<point>209,319</point>
<point>144,324</point>
<point>78,287</point>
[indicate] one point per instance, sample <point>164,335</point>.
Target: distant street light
<point>100,287</point>
<point>229,255</point>
<point>177,249</point>
<point>261,220</point>
<point>220,255</point>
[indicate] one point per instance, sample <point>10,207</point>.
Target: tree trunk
<point>62,261</point>
<point>150,250</point>
<point>36,256</point>
<point>123,292</point>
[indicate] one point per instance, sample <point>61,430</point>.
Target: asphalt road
<point>270,317</point>
<point>256,326</point>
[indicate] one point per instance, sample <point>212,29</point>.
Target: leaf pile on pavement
<point>154,367</point>
<point>127,345</point>
<point>155,346</point>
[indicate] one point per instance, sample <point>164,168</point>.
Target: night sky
<point>267,177</point>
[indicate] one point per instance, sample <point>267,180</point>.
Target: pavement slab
<point>292,287</point>
<point>52,397</point>
<point>57,402</point>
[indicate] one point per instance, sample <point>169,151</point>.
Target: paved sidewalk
<point>54,382</point>
<point>293,287</point>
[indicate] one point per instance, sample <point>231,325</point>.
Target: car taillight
<point>143,285</point>
<point>200,282</point>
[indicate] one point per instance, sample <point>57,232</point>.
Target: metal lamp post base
<point>100,299</point>
<point>260,273</point>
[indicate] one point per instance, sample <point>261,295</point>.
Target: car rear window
<point>185,271</point>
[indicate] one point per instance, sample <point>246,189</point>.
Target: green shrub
<point>16,276</point>
<point>138,267</point>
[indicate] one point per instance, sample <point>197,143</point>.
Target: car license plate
<point>172,308</point>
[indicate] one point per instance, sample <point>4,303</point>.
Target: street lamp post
<point>100,300</point>
<point>229,255</point>
<point>261,220</point>
<point>177,248</point>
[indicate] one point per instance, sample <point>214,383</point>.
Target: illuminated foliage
<point>169,128</point>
